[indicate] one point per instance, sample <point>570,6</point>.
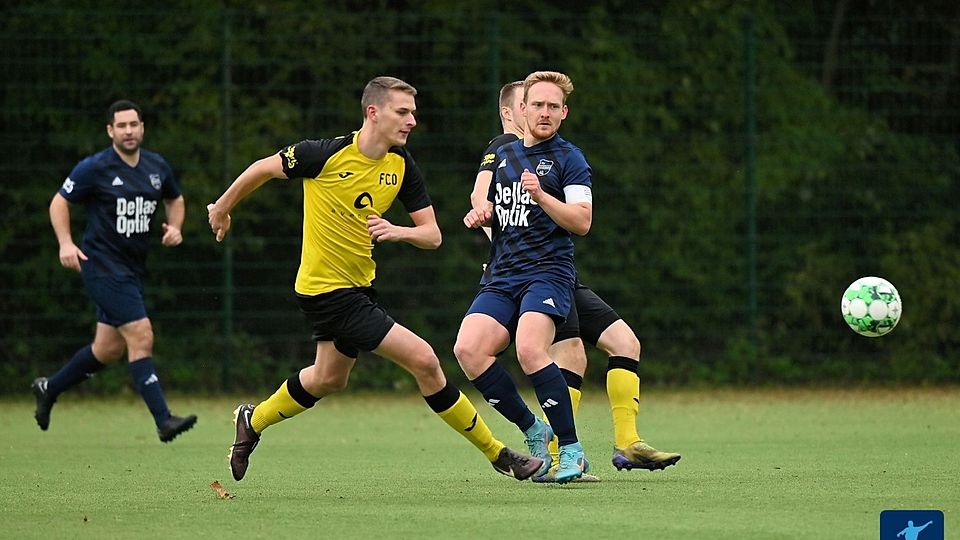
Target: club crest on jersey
<point>155,181</point>
<point>290,154</point>
<point>544,167</point>
<point>68,185</point>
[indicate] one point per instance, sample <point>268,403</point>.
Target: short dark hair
<point>375,93</point>
<point>507,92</point>
<point>122,105</point>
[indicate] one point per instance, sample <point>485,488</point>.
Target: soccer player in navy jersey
<point>540,194</point>
<point>121,188</point>
<point>590,319</point>
<point>349,182</point>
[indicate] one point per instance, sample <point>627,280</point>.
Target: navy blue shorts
<point>506,299</point>
<point>351,318</point>
<point>588,318</point>
<point>119,299</point>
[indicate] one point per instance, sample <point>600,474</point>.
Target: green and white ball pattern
<point>871,306</point>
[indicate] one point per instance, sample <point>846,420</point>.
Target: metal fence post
<point>750,139</point>
<point>226,141</point>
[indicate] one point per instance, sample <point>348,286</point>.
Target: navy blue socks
<point>145,380</point>
<point>551,389</point>
<point>497,387</point>
<point>80,368</point>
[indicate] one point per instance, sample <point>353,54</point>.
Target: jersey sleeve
<point>80,183</point>
<point>307,158</point>
<point>577,171</point>
<point>489,160</point>
<point>492,188</point>
<point>171,186</point>
<point>413,190</point>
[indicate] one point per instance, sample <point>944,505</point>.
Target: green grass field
<point>756,464</point>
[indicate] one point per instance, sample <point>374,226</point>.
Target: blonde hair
<point>376,91</point>
<point>562,81</point>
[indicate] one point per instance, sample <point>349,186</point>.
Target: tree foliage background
<point>855,106</point>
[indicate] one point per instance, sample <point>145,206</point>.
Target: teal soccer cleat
<point>551,476</point>
<point>572,463</point>
<point>538,436</point>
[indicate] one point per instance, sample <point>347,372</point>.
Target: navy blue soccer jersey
<point>120,203</point>
<point>525,238</point>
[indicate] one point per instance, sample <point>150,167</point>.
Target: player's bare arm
<point>576,217</point>
<point>257,174</point>
<point>425,233</point>
<point>478,197</point>
<point>70,254</point>
<point>175,211</point>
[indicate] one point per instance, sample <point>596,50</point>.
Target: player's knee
<point>630,346</point>
<point>333,384</point>
<point>465,353</point>
<point>619,340</point>
<point>423,363</point>
<point>108,353</point>
<point>139,338</point>
<point>529,354</point>
<point>323,384</point>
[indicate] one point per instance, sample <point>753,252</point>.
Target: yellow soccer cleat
<point>641,455</point>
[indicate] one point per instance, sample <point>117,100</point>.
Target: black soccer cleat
<point>517,465</point>
<point>245,442</point>
<point>174,426</point>
<point>44,403</point>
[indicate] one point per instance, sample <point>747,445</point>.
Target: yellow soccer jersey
<point>341,187</point>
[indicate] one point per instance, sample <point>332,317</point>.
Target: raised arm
<point>257,174</point>
<point>576,217</point>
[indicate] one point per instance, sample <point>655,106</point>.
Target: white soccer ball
<point>871,306</point>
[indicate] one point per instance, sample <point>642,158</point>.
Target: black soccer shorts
<point>588,318</point>
<point>350,318</point>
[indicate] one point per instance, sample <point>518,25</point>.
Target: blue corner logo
<point>911,525</point>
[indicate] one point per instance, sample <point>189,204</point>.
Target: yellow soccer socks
<point>288,401</point>
<point>456,410</point>
<point>623,391</point>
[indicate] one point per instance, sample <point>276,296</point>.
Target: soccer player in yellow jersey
<point>590,319</point>
<point>349,182</point>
